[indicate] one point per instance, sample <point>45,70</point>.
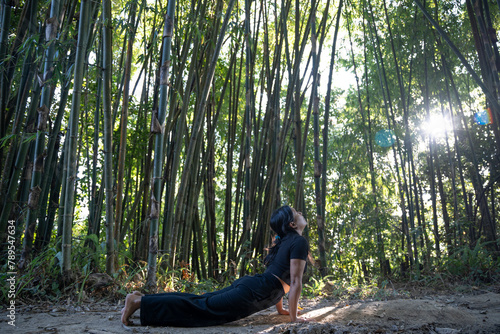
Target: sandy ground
<point>442,314</point>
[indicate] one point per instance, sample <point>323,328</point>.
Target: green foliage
<point>476,265</point>
<point>330,287</point>
<point>172,281</point>
<point>42,279</point>
<point>315,287</point>
<point>5,140</point>
<point>38,280</point>
<point>133,277</point>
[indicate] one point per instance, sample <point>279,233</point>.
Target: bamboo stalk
<point>159,119</point>
<point>69,196</point>
<point>108,131</point>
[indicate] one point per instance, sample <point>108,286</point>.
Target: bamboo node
<point>169,26</point>
<point>43,114</point>
<point>34,196</point>
<point>51,28</point>
<point>156,126</point>
<point>153,244</point>
<point>38,167</point>
<point>40,80</point>
<point>155,208</point>
<point>164,70</point>
<point>321,223</point>
<point>318,168</point>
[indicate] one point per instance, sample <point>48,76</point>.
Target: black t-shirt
<point>293,246</point>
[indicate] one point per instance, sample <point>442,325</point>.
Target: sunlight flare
<point>436,126</point>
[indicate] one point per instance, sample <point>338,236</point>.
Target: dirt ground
<point>471,312</point>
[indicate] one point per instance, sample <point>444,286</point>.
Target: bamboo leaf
<point>5,140</point>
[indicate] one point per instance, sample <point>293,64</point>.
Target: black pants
<point>247,295</point>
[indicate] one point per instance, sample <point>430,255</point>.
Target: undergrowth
<point>345,290</point>
<point>477,265</point>
<point>42,281</point>
<point>465,270</point>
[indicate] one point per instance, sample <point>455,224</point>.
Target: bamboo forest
<point>150,141</point>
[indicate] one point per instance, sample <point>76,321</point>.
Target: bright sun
<point>436,126</point>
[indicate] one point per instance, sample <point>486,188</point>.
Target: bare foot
<point>137,293</point>
<point>132,303</point>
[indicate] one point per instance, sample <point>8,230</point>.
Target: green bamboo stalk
<point>327,111</point>
<point>451,159</point>
<point>108,131</point>
<point>159,120</point>
<point>95,207</point>
<point>55,194</point>
<point>64,176</point>
<point>248,130</point>
<point>69,196</point>
<point>320,219</point>
<point>300,131</point>
<point>230,140</point>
